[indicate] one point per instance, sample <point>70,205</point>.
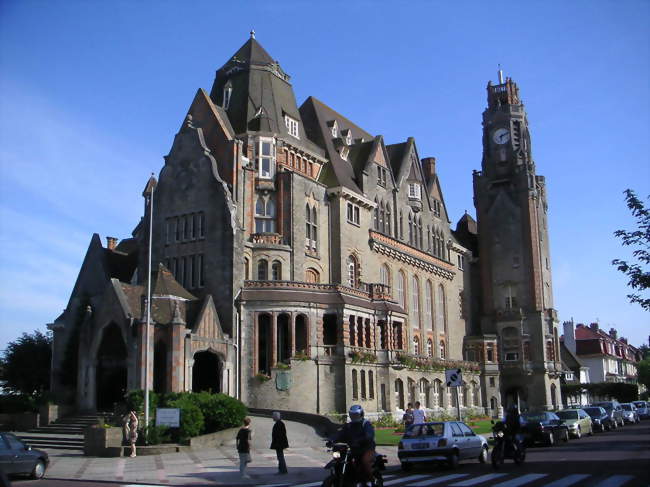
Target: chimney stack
<point>594,326</point>
<point>111,243</point>
<point>429,166</point>
<point>569,336</point>
<point>612,333</point>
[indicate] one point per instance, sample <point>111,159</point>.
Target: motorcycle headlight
<point>500,434</point>
<point>336,454</point>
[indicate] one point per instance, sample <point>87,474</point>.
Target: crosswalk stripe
<point>404,479</point>
<point>569,480</point>
<point>524,479</point>
<point>479,480</point>
<point>439,480</point>
<point>614,481</point>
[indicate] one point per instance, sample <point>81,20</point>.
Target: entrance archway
<point>160,367</point>
<point>206,372</point>
<point>110,374</point>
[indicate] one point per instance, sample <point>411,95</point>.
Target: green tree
<point>639,276</point>
<point>25,366</point>
<point>644,372</point>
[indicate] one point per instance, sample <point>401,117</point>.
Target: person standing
<point>279,441</point>
<point>132,431</point>
<point>244,438</point>
<point>407,418</point>
<point>419,416</point>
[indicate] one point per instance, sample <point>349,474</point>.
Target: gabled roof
<point>252,52</point>
<point>164,284</point>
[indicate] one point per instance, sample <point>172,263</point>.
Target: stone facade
<point>304,264</point>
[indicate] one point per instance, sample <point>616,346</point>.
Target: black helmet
<point>355,413</point>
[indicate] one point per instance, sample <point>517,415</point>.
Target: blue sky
<point>92,93</point>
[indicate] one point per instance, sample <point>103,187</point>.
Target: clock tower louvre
<point>514,257</point>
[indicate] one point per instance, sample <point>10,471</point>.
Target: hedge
<point>621,391</point>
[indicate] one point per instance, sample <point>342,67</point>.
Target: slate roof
<point>396,154</point>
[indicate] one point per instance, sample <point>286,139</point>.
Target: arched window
<point>262,270</point>
<point>353,331</point>
<point>355,385</point>
<point>401,284</point>
<point>441,315</point>
<point>246,269</point>
<point>443,349</point>
<point>375,216</point>
<point>428,303</point>
<point>419,232</point>
<point>415,301</point>
<point>368,335</point>
<point>416,345</point>
<point>384,275</point>
<point>353,271</point>
<point>265,215</point>
<point>363,384</point>
<point>312,275</point>
<point>430,347</point>
<point>276,271</point>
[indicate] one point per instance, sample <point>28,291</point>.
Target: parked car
<point>578,421</point>
<point>600,420</point>
<point>614,410</point>
<point>18,458</point>
<point>629,413</point>
<point>643,409</point>
<point>440,442</point>
<point>543,427</point>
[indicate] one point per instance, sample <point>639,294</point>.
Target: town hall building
<point>299,262</point>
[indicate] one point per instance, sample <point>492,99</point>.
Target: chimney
<point>612,333</point>
<point>429,166</point>
<point>569,336</point>
<point>594,326</point>
<point>624,340</point>
<point>111,243</point>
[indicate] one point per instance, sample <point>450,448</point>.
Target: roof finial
<point>500,75</point>
<point>252,33</point>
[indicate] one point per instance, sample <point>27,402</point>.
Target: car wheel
<point>452,460</point>
<point>550,440</point>
<point>566,436</point>
<point>578,433</point>
<point>39,470</point>
<point>484,455</point>
<point>591,430</point>
<point>406,466</point>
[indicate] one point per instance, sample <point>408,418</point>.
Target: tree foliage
<point>644,372</point>
<point>25,367</point>
<point>639,239</point>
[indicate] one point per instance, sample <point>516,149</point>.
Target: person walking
<point>407,418</point>
<point>244,438</point>
<point>279,441</point>
<point>132,431</point>
<point>419,416</point>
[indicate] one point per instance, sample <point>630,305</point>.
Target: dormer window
<point>227,92</point>
<point>347,136</point>
<point>292,126</point>
<point>344,153</point>
<point>415,191</point>
<point>335,129</point>
<point>265,161</point>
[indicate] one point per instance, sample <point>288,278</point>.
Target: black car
<point>599,418</point>
<point>543,427</point>
<point>18,458</point>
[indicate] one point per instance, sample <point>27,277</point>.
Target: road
<point>618,458</point>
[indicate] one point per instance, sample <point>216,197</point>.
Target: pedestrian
<point>132,431</point>
<point>407,418</point>
<point>419,416</point>
<point>279,441</point>
<point>244,438</point>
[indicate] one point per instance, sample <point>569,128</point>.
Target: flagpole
<point>147,327</point>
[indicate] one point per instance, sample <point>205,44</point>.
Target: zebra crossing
<point>497,479</point>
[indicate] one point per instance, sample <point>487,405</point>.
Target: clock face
<point>501,136</point>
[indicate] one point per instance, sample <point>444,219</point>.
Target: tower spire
<point>500,75</point>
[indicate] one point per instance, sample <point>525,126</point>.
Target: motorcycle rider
<point>359,434</point>
<point>513,425</point>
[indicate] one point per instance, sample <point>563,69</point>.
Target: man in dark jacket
<point>279,441</point>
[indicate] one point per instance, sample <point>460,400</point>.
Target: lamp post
<point>148,191</point>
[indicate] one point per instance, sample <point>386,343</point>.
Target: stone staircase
<point>63,434</point>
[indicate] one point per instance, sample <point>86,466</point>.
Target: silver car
<point>440,442</point>
<point>630,414</point>
<point>643,409</point>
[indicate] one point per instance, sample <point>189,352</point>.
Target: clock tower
<point>514,259</point>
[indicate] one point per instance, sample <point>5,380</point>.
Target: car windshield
<point>627,407</point>
<point>593,411</point>
<point>567,414</point>
<point>640,404</point>
<point>533,417</point>
<point>433,429</point>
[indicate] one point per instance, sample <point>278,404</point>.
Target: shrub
<point>135,402</point>
<point>18,403</point>
<point>386,421</point>
<point>157,434</point>
<point>192,421</point>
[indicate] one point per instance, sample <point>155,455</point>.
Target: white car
<point>642,409</point>
<point>440,442</point>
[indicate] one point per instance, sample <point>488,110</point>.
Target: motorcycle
<point>344,471</point>
<point>505,447</point>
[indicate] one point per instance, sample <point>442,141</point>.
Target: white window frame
<point>261,158</point>
<point>353,213</point>
<point>335,129</point>
<point>227,95</point>
<point>415,191</point>
<point>344,153</point>
<point>292,126</point>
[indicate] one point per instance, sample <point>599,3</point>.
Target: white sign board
<point>168,417</point>
<point>454,377</point>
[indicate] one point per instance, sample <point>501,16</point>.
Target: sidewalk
<point>212,466</point>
